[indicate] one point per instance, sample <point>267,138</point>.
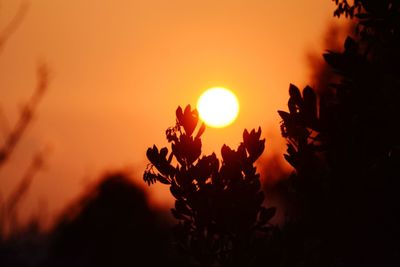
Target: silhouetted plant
<point>344,7</point>
<point>345,146</point>
<point>111,224</point>
<point>218,204</point>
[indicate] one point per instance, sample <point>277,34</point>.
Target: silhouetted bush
<point>112,225</point>
<point>218,204</point>
<point>345,147</point>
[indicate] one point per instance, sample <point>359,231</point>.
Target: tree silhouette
<point>218,205</point>
<point>345,147</point>
<point>110,225</point>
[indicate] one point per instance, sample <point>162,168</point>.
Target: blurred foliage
<point>218,205</point>
<point>110,225</point>
<point>345,147</point>
<point>346,8</point>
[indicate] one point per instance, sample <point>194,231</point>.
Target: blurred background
<point>119,69</point>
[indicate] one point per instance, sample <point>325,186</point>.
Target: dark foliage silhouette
<point>345,147</point>
<point>218,205</point>
<point>112,225</point>
<point>343,202</point>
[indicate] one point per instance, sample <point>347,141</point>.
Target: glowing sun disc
<point>218,107</point>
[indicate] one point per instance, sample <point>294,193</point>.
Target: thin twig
<point>13,24</point>
<point>25,117</point>
<point>10,206</point>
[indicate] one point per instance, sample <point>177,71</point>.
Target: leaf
<point>335,60</point>
<point>295,94</point>
<point>205,167</point>
<point>151,153</point>
<point>163,180</point>
<point>310,106</point>
<point>179,113</point>
<point>189,120</point>
<point>158,159</point>
<point>292,106</point>
<point>149,177</point>
<point>253,144</point>
<point>226,152</point>
<point>284,115</point>
<point>163,152</point>
<point>290,160</point>
<point>201,130</point>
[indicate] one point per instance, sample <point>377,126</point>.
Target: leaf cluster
<point>218,203</point>
<point>344,146</point>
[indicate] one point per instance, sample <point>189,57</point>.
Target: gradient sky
<point>120,68</point>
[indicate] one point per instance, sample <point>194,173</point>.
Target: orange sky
<point>120,68</point>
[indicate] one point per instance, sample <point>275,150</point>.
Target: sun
<point>218,107</point>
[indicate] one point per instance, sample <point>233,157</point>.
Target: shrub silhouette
<point>218,205</point>
<point>111,225</point>
<point>345,147</point>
